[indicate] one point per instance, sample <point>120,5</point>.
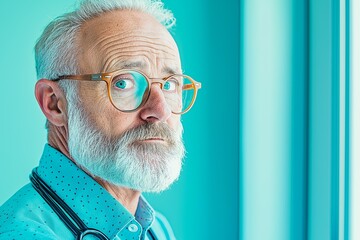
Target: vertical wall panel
<point>298,176</point>
<point>354,120</point>
<point>324,121</point>
<point>274,127</point>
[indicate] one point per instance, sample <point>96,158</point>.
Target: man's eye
<point>124,84</point>
<point>170,86</point>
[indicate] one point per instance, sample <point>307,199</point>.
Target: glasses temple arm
<point>191,86</point>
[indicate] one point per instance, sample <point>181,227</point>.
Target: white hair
<point>56,50</point>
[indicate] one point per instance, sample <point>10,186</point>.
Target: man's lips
<point>152,139</point>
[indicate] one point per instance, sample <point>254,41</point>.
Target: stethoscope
<point>65,213</point>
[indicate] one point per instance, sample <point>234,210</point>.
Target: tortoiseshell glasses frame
<point>190,85</point>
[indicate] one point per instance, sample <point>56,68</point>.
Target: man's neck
<point>57,138</point>
<point>127,197</point>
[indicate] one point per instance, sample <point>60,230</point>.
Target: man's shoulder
<point>20,201</point>
<point>23,233</point>
<point>162,226</point>
<point>24,198</point>
<point>25,216</point>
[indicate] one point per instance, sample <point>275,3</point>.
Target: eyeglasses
<point>128,90</point>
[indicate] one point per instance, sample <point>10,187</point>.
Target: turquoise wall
<point>263,158</point>
<point>22,133</point>
<point>203,204</point>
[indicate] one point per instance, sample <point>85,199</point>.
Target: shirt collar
<point>89,200</point>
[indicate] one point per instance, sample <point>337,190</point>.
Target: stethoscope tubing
<point>65,213</point>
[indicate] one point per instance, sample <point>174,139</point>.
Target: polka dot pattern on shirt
<point>89,200</point>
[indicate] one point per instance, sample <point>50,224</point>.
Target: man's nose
<point>156,109</point>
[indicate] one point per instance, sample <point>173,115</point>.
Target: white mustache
<point>151,130</point>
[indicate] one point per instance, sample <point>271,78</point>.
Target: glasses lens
<point>188,94</point>
<point>179,92</point>
<point>127,90</point>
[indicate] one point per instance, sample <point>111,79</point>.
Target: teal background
<point>264,136</point>
<point>203,204</point>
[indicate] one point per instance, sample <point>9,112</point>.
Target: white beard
<point>124,161</point>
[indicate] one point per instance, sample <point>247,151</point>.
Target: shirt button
<point>133,228</point>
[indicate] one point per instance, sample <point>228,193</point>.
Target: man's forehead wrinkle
<point>111,50</point>
<point>115,52</point>
<point>140,45</point>
<point>113,56</point>
<point>131,37</point>
<point>143,65</point>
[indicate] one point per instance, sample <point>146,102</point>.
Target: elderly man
<point>112,90</point>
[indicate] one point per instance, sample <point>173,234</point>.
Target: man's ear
<point>52,101</point>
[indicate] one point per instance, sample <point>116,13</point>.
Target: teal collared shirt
<point>26,215</point>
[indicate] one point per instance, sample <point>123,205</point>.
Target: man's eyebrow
<point>132,64</point>
<point>171,71</point>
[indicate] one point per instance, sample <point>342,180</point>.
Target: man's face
<point>142,149</point>
<point>126,39</point>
